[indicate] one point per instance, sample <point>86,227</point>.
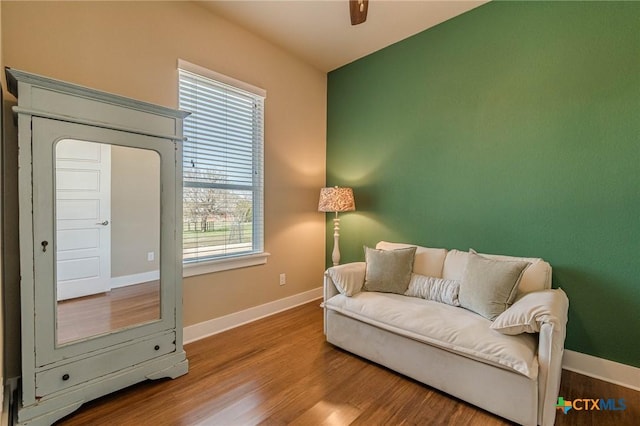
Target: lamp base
<point>335,255</point>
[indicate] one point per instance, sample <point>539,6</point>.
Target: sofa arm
<point>550,353</point>
<point>543,312</point>
<point>330,288</point>
<point>346,279</point>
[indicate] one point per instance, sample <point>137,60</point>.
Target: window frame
<point>242,260</point>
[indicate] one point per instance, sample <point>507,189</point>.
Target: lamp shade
<point>335,199</point>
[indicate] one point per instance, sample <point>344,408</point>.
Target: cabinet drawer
<point>71,374</point>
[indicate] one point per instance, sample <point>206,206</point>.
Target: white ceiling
<point>320,31</point>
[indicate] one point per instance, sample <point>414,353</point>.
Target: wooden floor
<point>102,313</point>
<point>279,371</point>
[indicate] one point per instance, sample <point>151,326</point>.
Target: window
<point>222,170</point>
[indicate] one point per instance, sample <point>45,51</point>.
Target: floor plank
<point>280,371</point>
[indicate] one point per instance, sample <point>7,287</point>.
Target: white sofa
<point>514,375</point>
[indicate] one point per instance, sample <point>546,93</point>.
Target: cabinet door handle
<point>156,347</point>
<point>44,245</point>
<point>105,223</point>
<point>65,377</point>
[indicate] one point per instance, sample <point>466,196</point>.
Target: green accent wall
<point>511,129</point>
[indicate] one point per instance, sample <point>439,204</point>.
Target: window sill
<point>207,267</point>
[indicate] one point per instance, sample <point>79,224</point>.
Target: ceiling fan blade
<point>358,10</point>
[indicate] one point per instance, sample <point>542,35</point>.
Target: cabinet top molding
<point>14,76</point>
<point>48,97</point>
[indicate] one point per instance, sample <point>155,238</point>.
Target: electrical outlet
<point>283,279</point>
<point>150,256</point>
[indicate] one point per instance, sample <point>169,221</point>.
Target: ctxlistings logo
<point>588,404</point>
<point>563,405</point>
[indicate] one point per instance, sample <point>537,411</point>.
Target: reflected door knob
<point>105,223</point>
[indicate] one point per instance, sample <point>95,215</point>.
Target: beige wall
<point>135,210</point>
<point>1,271</point>
<point>132,48</point>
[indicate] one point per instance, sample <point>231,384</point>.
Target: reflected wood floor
<point>279,370</point>
<point>102,313</point>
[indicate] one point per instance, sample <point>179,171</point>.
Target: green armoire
<point>100,210</point>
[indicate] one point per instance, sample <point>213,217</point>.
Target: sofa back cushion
<point>428,261</point>
<point>454,265</point>
<point>536,277</point>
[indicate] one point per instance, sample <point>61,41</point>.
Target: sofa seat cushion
<point>448,327</point>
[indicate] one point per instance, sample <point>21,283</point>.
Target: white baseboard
<point>218,325</point>
<point>132,279</point>
<point>603,369</point>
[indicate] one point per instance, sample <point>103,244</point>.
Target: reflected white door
<point>83,214</point>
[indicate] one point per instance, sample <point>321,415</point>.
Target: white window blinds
<point>222,169</point>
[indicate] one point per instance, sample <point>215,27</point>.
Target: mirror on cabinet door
<point>107,239</point>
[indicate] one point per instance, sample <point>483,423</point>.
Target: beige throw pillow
<point>488,287</point>
<point>388,271</point>
<point>348,278</point>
